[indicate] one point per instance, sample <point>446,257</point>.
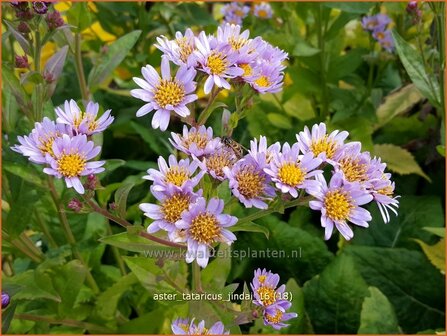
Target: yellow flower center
<point>239,12</point>
<point>197,138</point>
<point>251,182</point>
<point>184,327</point>
<point>277,318</point>
<point>380,35</point>
<point>263,81</point>
<point>291,174</point>
<point>324,145</point>
<point>185,48</point>
<point>177,176</point>
<point>353,170</point>
<point>173,207</point>
<point>262,278</point>
<point>262,13</point>
<point>387,191</point>
<point>205,228</point>
<point>267,295</point>
<point>92,124</point>
<point>338,205</point>
<point>217,63</point>
<point>71,165</point>
<point>217,161</point>
<point>248,71</point>
<point>46,145</point>
<point>237,43</point>
<point>169,92</point>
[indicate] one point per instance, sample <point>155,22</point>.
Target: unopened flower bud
<point>54,20</point>
<point>48,77</point>
<point>21,62</point>
<point>412,6</point>
<point>40,7</point>
<point>75,205</point>
<point>23,28</point>
<point>113,206</point>
<point>255,314</point>
<point>5,300</point>
<point>92,182</point>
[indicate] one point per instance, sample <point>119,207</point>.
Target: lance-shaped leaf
<point>53,68</point>
<point>121,198</point>
<point>19,37</point>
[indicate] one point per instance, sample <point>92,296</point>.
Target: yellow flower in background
<point>95,31</point>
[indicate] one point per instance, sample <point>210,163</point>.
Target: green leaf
<point>435,253</point>
<point>107,303</point>
<point>351,7</point>
<point>121,198</point>
<point>408,280</point>
<point>7,316</point>
<point>117,52</point>
<point>304,49</point>
<point>439,231</point>
<point>279,120</point>
<point>333,298</point>
<point>27,173</point>
<point>216,273</point>
<point>148,324</point>
<point>14,85</point>
<point>412,61</point>
<point>250,227</point>
<point>414,214</point>
<point>79,16</point>
<point>399,160</point>
<point>151,137</point>
<point>396,103</point>
<point>300,107</point>
<point>23,42</point>
<point>300,324</point>
<point>136,243</point>
<point>378,316</point>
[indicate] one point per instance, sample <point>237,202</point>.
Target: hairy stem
<point>207,111</point>
<point>66,322</point>
<point>69,234</point>
<point>45,229</point>
<point>196,280</point>
<point>80,69</point>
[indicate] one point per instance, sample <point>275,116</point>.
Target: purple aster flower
<point>262,154</point>
<point>172,203</point>
<point>181,50</point>
<point>235,9</point>
<point>204,224</point>
<point>232,19</point>
<point>5,300</point>
<point>40,7</point>
<point>385,39</point>
<point>266,78</point>
<point>340,202</point>
<point>40,141</point>
<point>270,54</point>
<point>179,174</point>
<point>231,34</point>
<point>181,326</point>
<point>263,10</point>
<point>218,160</point>
<point>165,94</point>
<point>83,122</point>
<point>375,22</point>
<point>323,145</point>
<point>185,327</point>
<point>218,62</point>
<point>291,171</point>
<point>196,141</point>
<point>249,183</point>
<point>264,289</point>
<point>276,314</point>
<point>69,160</point>
<point>357,166</point>
<point>383,194</point>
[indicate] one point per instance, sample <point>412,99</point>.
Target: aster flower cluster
<point>287,171</point>
<point>271,299</point>
<point>185,326</point>
<point>235,12</point>
<point>227,58</point>
<point>26,11</point>
<point>377,25</point>
<point>64,146</point>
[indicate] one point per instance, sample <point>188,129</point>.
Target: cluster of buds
<point>414,10</point>
<point>26,11</point>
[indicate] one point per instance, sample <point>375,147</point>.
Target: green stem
<point>69,234</point>
<point>116,253</point>
<point>126,224</point>
<point>19,244</point>
<point>45,230</point>
<point>323,79</point>
<point>196,280</point>
<point>168,279</point>
<point>37,51</point>
<point>80,69</point>
<point>207,111</point>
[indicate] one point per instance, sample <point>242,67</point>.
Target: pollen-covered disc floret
<point>195,141</point>
<point>83,122</point>
<point>339,202</point>
<point>172,203</point>
<point>40,141</point>
<point>323,145</point>
<point>180,50</point>
<point>204,224</point>
<point>186,327</point>
<point>263,10</point>
<point>272,300</point>
<point>249,183</point>
<point>175,174</point>
<point>70,160</point>
<point>165,94</point>
<point>218,160</point>
<point>291,171</point>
